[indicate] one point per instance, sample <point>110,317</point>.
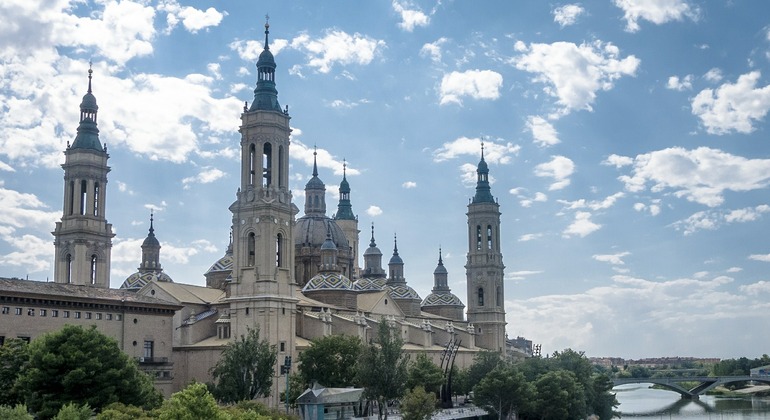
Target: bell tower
<point>261,292</point>
<point>83,238</point>
<point>484,268</point>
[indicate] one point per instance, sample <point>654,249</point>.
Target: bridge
<point>705,383</point>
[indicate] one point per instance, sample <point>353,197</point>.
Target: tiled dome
<point>368,285</point>
<point>137,280</point>
<point>442,299</point>
<point>402,291</point>
<point>328,281</point>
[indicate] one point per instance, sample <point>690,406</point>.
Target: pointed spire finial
<point>315,164</point>
<point>395,244</point>
<point>90,72</point>
<point>344,168</point>
<point>267,31</point>
<point>482,149</point>
<point>152,229</point>
<point>372,243</point>
<point>440,261</point>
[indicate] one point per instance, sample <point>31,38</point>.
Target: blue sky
<point>627,142</point>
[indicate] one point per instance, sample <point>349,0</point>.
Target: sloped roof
<point>188,293</point>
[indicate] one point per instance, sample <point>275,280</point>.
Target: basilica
<point>295,277</point>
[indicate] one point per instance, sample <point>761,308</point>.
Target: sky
<point>626,141</point>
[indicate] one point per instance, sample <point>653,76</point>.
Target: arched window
<point>83,194</point>
<point>489,236</point>
<point>267,164</point>
<point>279,250</point>
<point>71,209</point>
<point>93,269</point>
<point>280,166</point>
<point>252,246</point>
<point>478,238</point>
<point>96,199</point>
<point>252,164</point>
<point>498,297</point>
<point>481,296</point>
<point>68,267</point>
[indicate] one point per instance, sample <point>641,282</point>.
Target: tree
<point>119,411</point>
<point>418,404</point>
<point>296,387</point>
<point>559,396</point>
<point>245,369</point>
<point>14,355</point>
<point>423,372</point>
<point>74,412</point>
<point>19,412</point>
<point>192,403</point>
<point>382,367</point>
<point>483,363</point>
<point>331,361</point>
<point>82,366</point>
<point>504,391</point>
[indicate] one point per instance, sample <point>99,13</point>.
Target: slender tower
<point>348,222</point>
<point>261,293</point>
<point>83,238</point>
<point>484,268</point>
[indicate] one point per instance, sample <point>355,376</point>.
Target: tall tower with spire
<point>484,267</point>
<point>348,222</point>
<point>261,291</point>
<point>83,238</point>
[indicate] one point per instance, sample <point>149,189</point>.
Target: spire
<point>88,134</point>
<point>344,208</point>
<point>372,243</point>
<point>315,192</point>
<point>266,95</point>
<point>315,161</point>
<point>373,260</point>
<point>483,191</point>
<point>151,250</point>
<point>151,240</point>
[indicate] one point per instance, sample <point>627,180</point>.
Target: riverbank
<point>754,390</point>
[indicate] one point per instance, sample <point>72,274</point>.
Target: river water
<point>638,401</point>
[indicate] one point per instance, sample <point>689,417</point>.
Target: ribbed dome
<point>89,102</point>
<point>328,281</point>
<point>266,58</point>
<point>312,231</point>
<point>369,285</point>
<point>137,280</point>
<point>223,264</point>
<point>442,299</point>
<point>440,269</point>
<point>403,291</point>
<point>315,183</point>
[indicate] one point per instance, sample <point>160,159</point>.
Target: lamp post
<point>285,368</point>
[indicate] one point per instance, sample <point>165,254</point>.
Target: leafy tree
<point>74,412</point>
<point>82,366</point>
<point>245,369</point>
<point>119,411</point>
<point>423,372</point>
<point>192,403</point>
<point>19,412</point>
<point>460,381</point>
<point>382,367</point>
<point>604,401</point>
<point>296,388</point>
<point>559,396</point>
<point>14,355</point>
<point>331,361</point>
<point>504,391</point>
<point>483,363</point>
<point>418,404</point>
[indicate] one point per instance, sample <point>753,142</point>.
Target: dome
<point>403,291</point>
<point>312,230</point>
<point>442,299</point>
<point>328,281</point>
<point>223,264</point>
<point>266,57</point>
<point>89,102</point>
<point>396,259</point>
<point>150,240</point>
<point>369,285</point>
<point>315,183</point>
<point>372,250</point>
<point>440,269</point>
<point>137,280</point>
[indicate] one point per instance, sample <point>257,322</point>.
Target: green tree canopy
<point>82,366</point>
<point>382,367</point>
<point>331,361</point>
<point>18,412</point>
<point>504,391</point>
<point>423,372</point>
<point>245,369</point>
<point>559,396</point>
<point>74,412</point>
<point>14,355</point>
<point>483,363</point>
<point>418,404</point>
<point>192,403</point>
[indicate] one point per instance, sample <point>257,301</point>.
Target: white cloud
<point>655,11</point>
<point>493,152</point>
<point>559,168</point>
<point>714,219</point>
<point>6,167</point>
<point>760,257</point>
<point>528,201</point>
<point>758,288</point>
<point>714,75</point>
<point>675,83</point>
<point>477,84</point>
<point>567,15</point>
<point>337,47</point>
<point>542,131</point>
<point>618,161</point>
<point>373,211</point>
<point>614,259</point>
<point>206,176</point>
<point>433,49</point>
<point>194,20</point>
<point>302,153</point>
<point>530,237</point>
<point>608,202</point>
<point>701,175</point>
<point>733,107</point>
<point>409,185</point>
<point>521,274</point>
<point>574,73</point>
<point>734,270</point>
<point>582,225</point>
<point>654,208</point>
<point>410,18</point>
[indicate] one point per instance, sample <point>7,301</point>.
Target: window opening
<point>93,269</point>
<point>478,238</point>
<point>252,164</point>
<point>489,236</point>
<point>481,296</point>
<point>252,245</point>
<point>267,164</point>
<point>96,199</point>
<point>83,195</point>
<point>278,250</point>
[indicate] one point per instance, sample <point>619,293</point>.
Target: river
<point>638,401</point>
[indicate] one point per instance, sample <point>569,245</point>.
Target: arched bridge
<point>705,383</point>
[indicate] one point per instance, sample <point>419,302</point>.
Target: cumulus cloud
<point>542,131</point>
<point>521,274</point>
<point>373,211</point>
<point>322,157</point>
<point>476,84</point>
<point>410,17</point>
<point>574,73</point>
<point>206,176</point>
<point>409,185</point>
<point>680,84</point>
<point>581,226</point>
<point>714,219</point>
<point>618,161</point>
<point>733,107</point>
<point>582,203</point>
<point>655,11</point>
<point>760,257</point>
<point>567,14</point>
<point>559,168</point>
<point>22,222</point>
<point>653,208</point>
<point>614,259</point>
<point>530,237</point>
<point>337,47</point>
<point>701,175</point>
<point>714,75</point>
<point>433,49</point>
<point>192,19</point>
<point>501,153</point>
